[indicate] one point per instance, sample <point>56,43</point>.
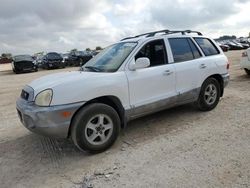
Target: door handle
<point>167,72</point>
<point>203,66</point>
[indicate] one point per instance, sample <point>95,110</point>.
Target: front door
<point>152,88</point>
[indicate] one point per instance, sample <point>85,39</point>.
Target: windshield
<point>111,58</point>
<point>23,58</point>
<point>53,55</point>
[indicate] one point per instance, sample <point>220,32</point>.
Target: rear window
<point>183,49</point>
<point>207,46</point>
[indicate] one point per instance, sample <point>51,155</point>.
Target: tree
<point>98,48</point>
<point>6,55</point>
<point>88,49</point>
<point>73,50</point>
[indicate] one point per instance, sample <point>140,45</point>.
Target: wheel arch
<point>110,100</point>
<point>219,78</point>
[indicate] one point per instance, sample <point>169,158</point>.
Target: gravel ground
<point>180,147</point>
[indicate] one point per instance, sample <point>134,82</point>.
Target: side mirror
<point>140,63</point>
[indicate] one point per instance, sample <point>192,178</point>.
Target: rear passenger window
<point>207,46</point>
<point>183,49</point>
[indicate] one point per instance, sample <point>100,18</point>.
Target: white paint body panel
<point>245,61</point>
<point>151,84</point>
<point>76,86</point>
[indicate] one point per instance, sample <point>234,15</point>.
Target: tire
<point>209,95</point>
<point>88,121</point>
<point>247,71</point>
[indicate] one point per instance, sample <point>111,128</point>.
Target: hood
<point>53,80</point>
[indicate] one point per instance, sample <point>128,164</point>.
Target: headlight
<point>44,98</point>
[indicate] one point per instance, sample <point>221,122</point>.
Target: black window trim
<point>219,52</point>
<point>194,42</point>
<point>190,40</point>
<point>165,51</point>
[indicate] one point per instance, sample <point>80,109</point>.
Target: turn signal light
<point>66,114</point>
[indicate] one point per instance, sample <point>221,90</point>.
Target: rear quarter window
<point>207,46</point>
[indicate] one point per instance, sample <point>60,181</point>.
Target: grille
<point>24,64</point>
<point>24,95</point>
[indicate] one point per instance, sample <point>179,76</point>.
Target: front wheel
<point>247,71</point>
<point>95,127</point>
<point>209,95</point>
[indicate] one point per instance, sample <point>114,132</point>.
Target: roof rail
<point>166,32</point>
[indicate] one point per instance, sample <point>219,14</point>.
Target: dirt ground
<point>180,147</point>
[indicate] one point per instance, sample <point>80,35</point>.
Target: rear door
<point>187,61</point>
<point>214,62</point>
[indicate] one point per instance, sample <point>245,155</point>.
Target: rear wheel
<point>95,127</point>
<point>247,71</point>
<point>209,95</point>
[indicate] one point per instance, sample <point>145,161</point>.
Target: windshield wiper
<point>96,69</point>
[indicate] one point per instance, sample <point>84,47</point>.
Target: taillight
<point>244,54</point>
<point>228,65</point>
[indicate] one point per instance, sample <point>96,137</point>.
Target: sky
<point>30,26</point>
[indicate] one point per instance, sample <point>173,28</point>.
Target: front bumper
<point>53,121</point>
<point>226,78</point>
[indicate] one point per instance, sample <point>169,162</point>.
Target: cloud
<point>30,26</point>
<point>189,14</point>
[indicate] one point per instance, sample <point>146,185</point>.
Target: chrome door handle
<point>203,66</point>
<point>167,72</point>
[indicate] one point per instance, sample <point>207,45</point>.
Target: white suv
<point>245,61</point>
<point>129,79</point>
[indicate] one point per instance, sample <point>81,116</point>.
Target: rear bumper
<point>51,121</point>
<point>226,78</point>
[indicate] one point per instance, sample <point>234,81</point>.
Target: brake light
<point>244,54</point>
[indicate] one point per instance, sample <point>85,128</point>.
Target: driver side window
<point>155,51</point>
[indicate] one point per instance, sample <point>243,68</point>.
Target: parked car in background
<point>245,61</point>
<point>92,105</point>
<point>234,46</point>
<point>52,60</point>
<point>224,47</point>
<point>23,63</point>
<point>78,58</point>
<point>38,61</point>
<point>65,58</point>
<point>244,45</point>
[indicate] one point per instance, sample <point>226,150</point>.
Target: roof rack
<point>166,32</point>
